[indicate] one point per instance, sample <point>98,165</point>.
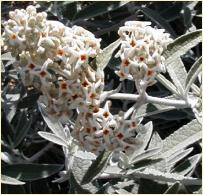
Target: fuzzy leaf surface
<point>188,165</point>
<point>172,189</point>
<point>96,167</point>
<point>166,177</point>
<point>31,172</point>
<point>183,137</point>
<point>103,58</point>
<point>53,138</point>
<point>193,73</point>
<point>11,181</point>
<point>181,45</point>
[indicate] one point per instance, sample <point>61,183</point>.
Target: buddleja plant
<point>66,66</point>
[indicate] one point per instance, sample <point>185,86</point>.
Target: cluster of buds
<point>141,52</point>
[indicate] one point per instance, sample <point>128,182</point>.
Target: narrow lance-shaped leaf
<point>76,186</point>
<point>144,135</point>
<point>31,172</point>
<point>53,138</point>
<point>96,167</point>
<point>173,62</point>
<point>97,8</point>
<point>10,180</point>
<point>177,156</point>
<point>103,58</point>
<point>167,177</point>
<point>22,131</point>
<point>177,72</point>
<point>181,138</point>
<point>146,154</point>
<point>158,19</point>
<point>181,45</point>
<point>145,163</point>
<point>7,56</point>
<point>166,83</point>
<point>55,126</point>
<point>193,73</point>
<point>172,189</point>
<point>188,165</point>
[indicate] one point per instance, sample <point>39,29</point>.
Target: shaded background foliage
<point>21,119</point>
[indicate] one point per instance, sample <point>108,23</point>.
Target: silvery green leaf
<point>10,180</point>
<point>173,189</point>
<point>161,111</point>
<point>146,154</point>
<point>52,123</point>
<point>177,72</point>
<point>22,129</point>
<point>112,170</point>
<point>103,58</point>
<point>144,135</point>
<point>141,111</point>
<point>124,184</point>
<point>31,171</point>
<point>7,56</point>
<point>63,177</point>
<point>155,141</point>
<point>174,50</point>
<point>79,168</point>
<point>165,177</point>
<point>165,82</point>
<point>188,165</point>
<point>85,155</point>
<point>76,186</point>
<point>122,191</point>
<point>181,138</point>
<point>181,45</point>
<point>179,155</point>
<point>96,167</point>
<point>12,97</point>
<point>124,160</point>
<point>98,8</point>
<point>53,138</point>
<point>144,163</point>
<point>193,74</point>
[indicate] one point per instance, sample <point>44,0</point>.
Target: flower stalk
<point>150,99</point>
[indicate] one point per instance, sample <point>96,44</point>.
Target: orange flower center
<point>120,136</point>
<point>106,132</point>
<point>83,57</point>
<point>60,52</point>
<point>132,43</point>
<point>150,73</point>
<point>13,37</point>
<point>31,66</point>
<point>93,95</point>
<point>95,110</point>
<point>105,114</point>
<point>42,73</point>
<point>85,84</point>
<point>64,85</point>
<point>126,63</point>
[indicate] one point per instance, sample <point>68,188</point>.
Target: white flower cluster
<point>55,59</point>
<point>99,130</point>
<point>141,52</point>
